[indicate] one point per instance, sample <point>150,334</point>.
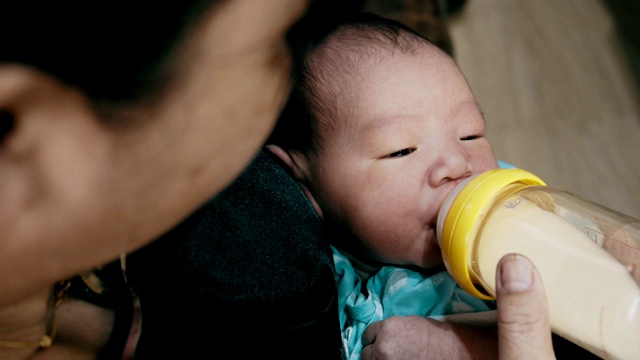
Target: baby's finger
<point>369,335</point>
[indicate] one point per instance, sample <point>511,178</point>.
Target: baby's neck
<point>364,270</point>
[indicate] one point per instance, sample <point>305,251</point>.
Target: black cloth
<point>249,275</point>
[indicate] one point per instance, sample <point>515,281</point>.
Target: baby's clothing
<point>394,291</point>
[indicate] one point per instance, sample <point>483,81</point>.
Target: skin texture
<point>77,191</point>
<point>523,323</point>
<point>416,337</point>
<point>406,130</point>
<point>87,190</point>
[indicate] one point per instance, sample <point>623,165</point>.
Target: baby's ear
<point>294,160</point>
<point>299,168</point>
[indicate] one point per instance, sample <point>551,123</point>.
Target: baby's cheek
<point>485,159</point>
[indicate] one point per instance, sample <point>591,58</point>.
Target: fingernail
<point>515,273</point>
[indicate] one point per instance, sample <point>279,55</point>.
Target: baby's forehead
<point>353,53</point>
<point>347,65</point>
<point>340,75</point>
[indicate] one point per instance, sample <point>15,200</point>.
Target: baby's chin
<point>431,254</point>
<point>432,261</point>
<point>426,270</point>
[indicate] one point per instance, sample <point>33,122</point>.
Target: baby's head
<point>383,126</point>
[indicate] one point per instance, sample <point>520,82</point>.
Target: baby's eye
<point>471,137</point>
<point>401,153</point>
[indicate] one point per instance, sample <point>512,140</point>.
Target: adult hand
<point>523,315</point>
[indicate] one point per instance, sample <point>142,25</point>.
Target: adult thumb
<point>523,314</point>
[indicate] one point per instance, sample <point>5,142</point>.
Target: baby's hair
<point>357,39</point>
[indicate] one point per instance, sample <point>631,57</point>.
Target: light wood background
<point>557,92</point>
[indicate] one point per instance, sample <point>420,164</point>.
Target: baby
<point>384,126</point>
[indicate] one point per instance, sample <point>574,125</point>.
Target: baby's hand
<point>416,337</point>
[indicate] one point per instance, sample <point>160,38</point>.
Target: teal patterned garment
<point>396,291</point>
<point>505,165</point>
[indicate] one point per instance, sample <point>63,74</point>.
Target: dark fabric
<point>564,349</point>
<point>247,276</point>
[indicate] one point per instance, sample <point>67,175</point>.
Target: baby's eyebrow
<point>380,127</point>
<point>470,105</point>
<point>386,121</point>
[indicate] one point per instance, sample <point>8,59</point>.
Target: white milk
<point>593,300</point>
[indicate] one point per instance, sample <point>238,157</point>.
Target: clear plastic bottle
<point>588,255</point>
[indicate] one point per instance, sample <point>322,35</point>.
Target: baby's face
<point>408,132</point>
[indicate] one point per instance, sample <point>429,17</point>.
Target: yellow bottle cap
<point>459,227</point>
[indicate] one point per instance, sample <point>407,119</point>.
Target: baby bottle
<point>587,254</point>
